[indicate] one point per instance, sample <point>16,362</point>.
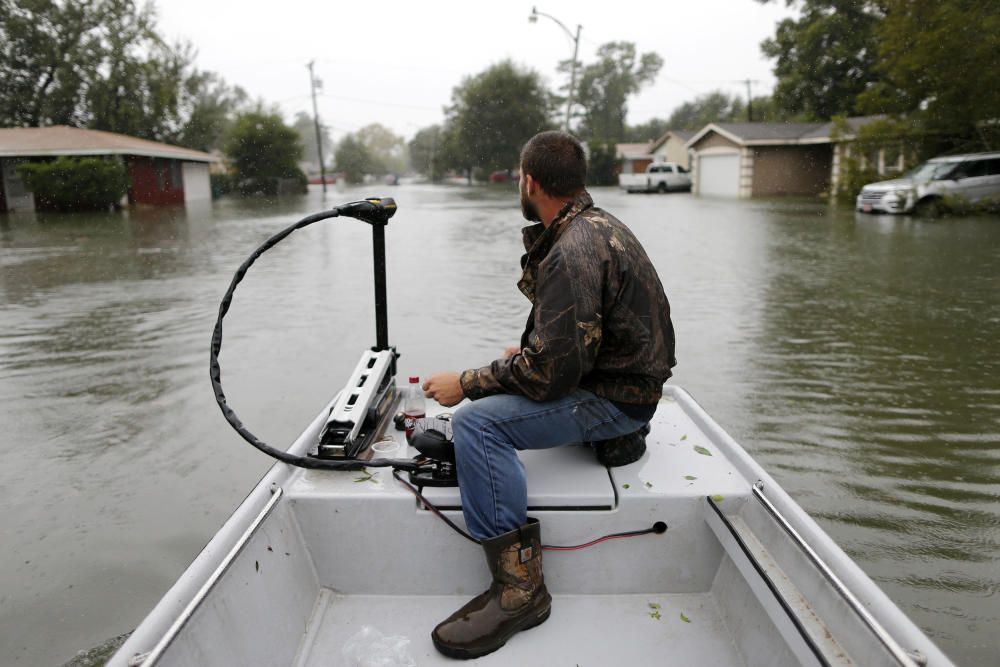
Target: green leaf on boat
<point>685,618</point>
<point>368,476</point>
<point>648,485</point>
<point>717,498</point>
<point>702,450</point>
<point>653,605</point>
<point>684,437</point>
<point>655,614</point>
<point>690,478</point>
<point>625,486</point>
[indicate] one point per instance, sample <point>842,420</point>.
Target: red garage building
<point>158,174</point>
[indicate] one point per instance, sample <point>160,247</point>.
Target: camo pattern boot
<point>516,600</point>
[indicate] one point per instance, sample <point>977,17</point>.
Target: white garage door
<point>196,182</point>
<point>719,175</point>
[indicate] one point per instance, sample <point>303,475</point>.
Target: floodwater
<point>855,357</point>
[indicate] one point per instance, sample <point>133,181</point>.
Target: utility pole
<point>319,136</point>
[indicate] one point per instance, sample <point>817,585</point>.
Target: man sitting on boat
<point>597,347</point>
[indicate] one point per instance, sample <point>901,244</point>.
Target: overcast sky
<point>395,62</point>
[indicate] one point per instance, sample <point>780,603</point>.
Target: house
<point>158,174</point>
<point>632,158</point>
<point>769,159</point>
<point>671,147</point>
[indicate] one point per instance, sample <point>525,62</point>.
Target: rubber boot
<point>516,600</point>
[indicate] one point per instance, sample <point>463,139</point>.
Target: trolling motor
<point>363,408</point>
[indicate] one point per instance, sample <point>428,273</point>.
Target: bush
<point>221,184</point>
<point>75,184</point>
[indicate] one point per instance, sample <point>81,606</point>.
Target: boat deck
<point>311,557</point>
<point>584,630</point>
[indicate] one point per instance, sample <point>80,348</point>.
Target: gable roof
<point>65,140</point>
<point>756,134</point>
<point>683,135</point>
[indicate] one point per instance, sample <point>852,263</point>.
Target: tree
<point>353,160</point>
<point>48,53</point>
<point>101,64</point>
<point>826,57</point>
<point>714,107</point>
<point>425,152</point>
<point>649,131</point>
<point>212,105</point>
<point>606,85</point>
<point>937,65</point>
<point>264,153</point>
<point>387,149</point>
<point>492,115</point>
<point>305,125</point>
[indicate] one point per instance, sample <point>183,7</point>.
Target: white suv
<point>927,188</point>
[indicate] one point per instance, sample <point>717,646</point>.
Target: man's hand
<point>444,388</point>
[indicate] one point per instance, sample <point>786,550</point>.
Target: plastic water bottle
<point>414,405</point>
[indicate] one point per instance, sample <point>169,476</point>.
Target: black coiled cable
<point>215,372</point>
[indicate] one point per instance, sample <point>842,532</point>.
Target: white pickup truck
<point>659,177</point>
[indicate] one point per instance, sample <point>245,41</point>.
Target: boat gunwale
<point>171,606</point>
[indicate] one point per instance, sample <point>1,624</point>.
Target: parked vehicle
<point>929,187</point>
<point>659,177</point>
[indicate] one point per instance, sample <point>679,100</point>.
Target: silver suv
<point>930,186</point>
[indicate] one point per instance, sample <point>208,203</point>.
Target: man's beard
<point>529,210</point>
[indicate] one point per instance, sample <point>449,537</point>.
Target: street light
<point>533,18</point>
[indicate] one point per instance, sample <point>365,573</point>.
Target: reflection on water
<point>853,356</point>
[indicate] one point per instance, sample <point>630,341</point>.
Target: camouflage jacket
<point>599,318</point>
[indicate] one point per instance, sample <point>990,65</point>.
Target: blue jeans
<point>488,433</point>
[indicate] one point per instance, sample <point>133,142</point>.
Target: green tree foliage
<point>264,153</point>
<point>353,160</point>
<point>387,149</point>
<point>101,64</point>
<point>306,127</point>
<point>605,86</point>
<point>212,107</point>
<point>49,51</point>
<point>826,57</point>
<point>601,164</point>
<point>721,107</point>
<point>74,184</point>
<point>939,65</point>
<point>649,131</point>
<point>425,152</point>
<point>492,115</point>
<point>713,107</point>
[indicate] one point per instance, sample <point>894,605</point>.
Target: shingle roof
<point>763,131</point>
<point>64,140</point>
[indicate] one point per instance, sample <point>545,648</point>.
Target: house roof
<point>64,140</point>
<point>747,134</point>
<point>633,150</point>
<point>683,135</point>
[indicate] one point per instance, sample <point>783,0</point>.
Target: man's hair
<point>557,161</point>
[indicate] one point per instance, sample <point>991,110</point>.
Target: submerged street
<point>853,356</point>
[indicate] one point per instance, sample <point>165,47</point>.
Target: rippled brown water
<point>855,357</point>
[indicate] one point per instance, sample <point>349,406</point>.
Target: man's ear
<point>530,184</point>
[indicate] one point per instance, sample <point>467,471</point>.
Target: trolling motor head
<point>374,210</point>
